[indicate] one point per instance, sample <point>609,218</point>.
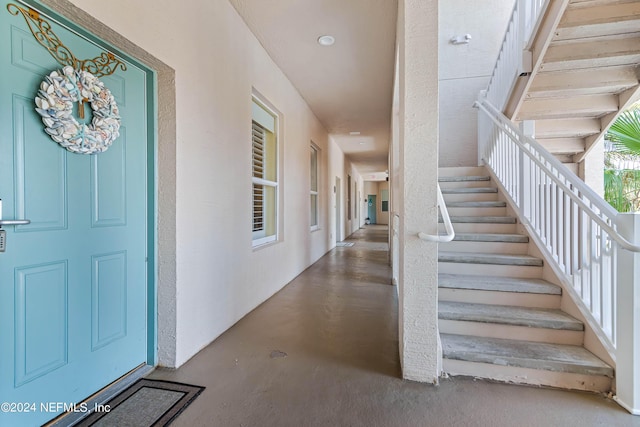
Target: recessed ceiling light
<point>362,143</point>
<point>326,40</point>
<point>354,133</point>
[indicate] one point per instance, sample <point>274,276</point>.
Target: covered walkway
<point>324,352</point>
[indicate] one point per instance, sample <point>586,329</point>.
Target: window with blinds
<point>258,172</point>
<point>264,155</point>
<point>313,172</point>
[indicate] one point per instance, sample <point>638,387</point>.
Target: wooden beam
<point>600,14</point>
<point>583,82</point>
<point>626,99</point>
<point>598,30</point>
<point>577,4</point>
<point>592,54</point>
<point>562,145</point>
<point>577,106</point>
<point>567,128</point>
<point>537,46</point>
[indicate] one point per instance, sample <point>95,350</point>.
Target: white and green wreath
<point>58,92</point>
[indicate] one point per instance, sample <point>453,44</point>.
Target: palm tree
<point>621,182</point>
<point>624,133</point>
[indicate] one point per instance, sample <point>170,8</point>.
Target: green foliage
<point>625,133</point>
<point>622,189</point>
<point>622,186</point>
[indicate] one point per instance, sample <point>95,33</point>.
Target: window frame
<point>314,149</point>
<point>259,237</point>
<point>349,197</point>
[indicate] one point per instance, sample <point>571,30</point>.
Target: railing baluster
<point>576,227</point>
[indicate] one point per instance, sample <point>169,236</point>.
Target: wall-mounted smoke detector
<point>465,39</point>
<point>326,40</point>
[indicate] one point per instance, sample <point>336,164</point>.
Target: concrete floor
<point>324,352</point>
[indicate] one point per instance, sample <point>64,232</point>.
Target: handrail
<point>573,227</point>
<point>448,226</point>
<point>578,184</point>
<point>514,56</point>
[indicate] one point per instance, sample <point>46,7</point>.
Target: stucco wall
<point>465,69</point>
<point>415,142</point>
<point>217,62</point>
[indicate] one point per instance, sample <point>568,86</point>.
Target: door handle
<point>11,221</point>
<point>14,222</point>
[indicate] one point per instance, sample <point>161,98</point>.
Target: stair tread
<point>480,258</point>
<point>496,283</point>
<point>465,190</point>
<point>464,178</point>
<point>523,354</point>
<point>491,237</point>
<point>480,204</point>
<point>508,315</point>
<point>482,219</point>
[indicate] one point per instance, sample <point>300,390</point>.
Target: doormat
<point>345,244</point>
<point>145,403</point>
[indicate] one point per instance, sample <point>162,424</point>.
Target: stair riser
<point>475,211</point>
<point>486,247</point>
<point>499,298</point>
<point>462,170</point>
<point>469,227</point>
<point>493,259</point>
<point>491,270</point>
<point>512,332</point>
<point>470,197</point>
<point>511,374</point>
<point>464,184</point>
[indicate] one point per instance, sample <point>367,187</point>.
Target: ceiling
<point>348,85</point>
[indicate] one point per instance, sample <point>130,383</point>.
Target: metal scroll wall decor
<point>78,81</point>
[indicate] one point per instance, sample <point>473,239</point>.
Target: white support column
<point>591,169</point>
<point>417,74</point>
<point>628,318</point>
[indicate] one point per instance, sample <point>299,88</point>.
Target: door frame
<point>338,195</point>
<point>375,208</point>
<point>68,15</point>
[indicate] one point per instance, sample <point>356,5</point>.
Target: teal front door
<point>371,208</point>
<point>73,282</point>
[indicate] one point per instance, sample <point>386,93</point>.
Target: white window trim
<point>316,193</point>
<point>317,226</point>
<point>256,240</point>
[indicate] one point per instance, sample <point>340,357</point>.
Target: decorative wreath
<point>55,99</point>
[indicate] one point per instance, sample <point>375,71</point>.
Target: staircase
<point>498,318</point>
<point>584,60</point>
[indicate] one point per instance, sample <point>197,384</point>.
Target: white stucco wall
<point>465,70</point>
<point>415,181</point>
<point>217,62</point>
<point>336,170</point>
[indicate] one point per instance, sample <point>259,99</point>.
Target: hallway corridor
<point>324,352</point>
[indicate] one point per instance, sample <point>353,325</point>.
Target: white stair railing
<point>514,58</point>
<point>581,238</point>
<point>576,226</point>
<point>579,234</point>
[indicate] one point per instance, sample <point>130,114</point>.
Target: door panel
<point>73,283</point>
<point>372,209</point>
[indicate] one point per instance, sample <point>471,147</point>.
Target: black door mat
<point>145,403</point>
